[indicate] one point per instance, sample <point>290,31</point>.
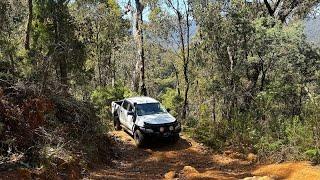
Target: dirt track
<point>190,160</point>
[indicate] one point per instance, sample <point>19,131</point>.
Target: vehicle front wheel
<point>138,138</point>
<point>117,125</point>
<point>175,138</point>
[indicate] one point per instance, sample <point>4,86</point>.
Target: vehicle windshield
<point>149,108</point>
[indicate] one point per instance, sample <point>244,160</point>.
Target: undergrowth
<point>53,132</point>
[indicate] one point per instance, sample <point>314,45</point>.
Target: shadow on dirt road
<point>164,144</point>
<point>167,145</point>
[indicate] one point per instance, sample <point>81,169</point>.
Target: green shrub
<point>191,122</point>
<point>313,155</point>
<point>299,135</point>
<point>269,148</point>
<point>172,100</point>
<point>210,133</point>
<point>103,96</point>
<point>292,144</point>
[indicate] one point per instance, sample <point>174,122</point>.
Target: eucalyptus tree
<point>185,44</point>
<point>285,10</point>
<point>138,80</point>
<point>11,22</point>
<point>247,50</point>
<point>29,25</point>
<point>102,30</point>
<point>170,28</point>
<point>54,37</point>
<point>140,42</point>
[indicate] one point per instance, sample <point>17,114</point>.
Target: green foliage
<point>49,130</point>
<point>299,135</point>
<point>54,23</point>
<point>155,14</point>
<point>313,155</point>
<point>292,144</point>
<point>171,100</point>
<point>101,30</point>
<point>103,96</point>
<point>254,80</point>
<point>261,88</point>
<point>210,133</point>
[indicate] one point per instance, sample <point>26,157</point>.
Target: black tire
<point>175,138</point>
<point>116,123</point>
<point>139,138</point>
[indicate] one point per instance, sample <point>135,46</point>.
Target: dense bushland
<point>58,134</point>
<point>237,74</point>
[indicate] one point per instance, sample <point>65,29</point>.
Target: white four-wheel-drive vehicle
<point>144,117</point>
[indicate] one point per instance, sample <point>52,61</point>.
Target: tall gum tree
<point>54,24</point>
<point>185,47</point>
<point>140,43</point>
<point>284,10</point>
<point>29,25</point>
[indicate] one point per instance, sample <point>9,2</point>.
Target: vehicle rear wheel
<point>116,123</point>
<point>138,138</point>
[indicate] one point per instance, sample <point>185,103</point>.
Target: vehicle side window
<point>125,104</point>
<point>130,107</point>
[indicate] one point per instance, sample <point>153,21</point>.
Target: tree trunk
<point>185,103</point>
<point>177,79</point>
<point>213,109</point>
<point>45,68</point>
<point>12,66</point>
<point>63,72</point>
<point>62,63</point>
<point>139,40</point>
<point>185,68</point>
<point>135,77</point>
<point>113,69</point>
<point>185,55</point>
<point>98,55</point>
<point>28,32</point>
<point>232,83</point>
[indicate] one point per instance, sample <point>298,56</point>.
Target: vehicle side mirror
<point>168,109</point>
<point>130,113</point>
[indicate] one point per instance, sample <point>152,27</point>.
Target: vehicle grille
<point>156,127</point>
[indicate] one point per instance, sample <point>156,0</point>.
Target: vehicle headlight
<point>147,130</point>
<point>161,129</point>
<point>171,128</point>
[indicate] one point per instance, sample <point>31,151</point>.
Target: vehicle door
<point>130,117</point>
<point>123,112</point>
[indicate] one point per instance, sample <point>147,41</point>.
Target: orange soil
<point>188,159</point>
<point>290,170</point>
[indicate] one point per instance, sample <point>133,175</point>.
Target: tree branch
<point>270,9</point>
